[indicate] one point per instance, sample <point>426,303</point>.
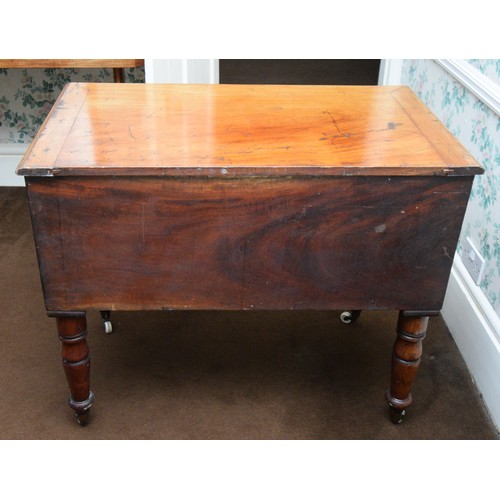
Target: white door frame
<point>181,70</point>
<point>390,71</point>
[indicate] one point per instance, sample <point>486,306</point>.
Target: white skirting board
<point>475,327</point>
<point>10,156</point>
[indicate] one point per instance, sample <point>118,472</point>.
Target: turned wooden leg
<point>118,75</point>
<point>72,330</point>
<point>405,361</point>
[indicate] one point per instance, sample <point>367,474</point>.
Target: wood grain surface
<point>232,130</point>
<point>249,243</point>
<point>71,63</point>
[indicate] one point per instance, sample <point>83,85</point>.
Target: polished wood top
<point>71,63</point>
<point>177,130</point>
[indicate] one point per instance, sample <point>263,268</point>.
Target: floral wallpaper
<point>26,96</point>
<point>478,129</point>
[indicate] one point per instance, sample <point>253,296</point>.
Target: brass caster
<point>82,408</point>
<point>397,416</point>
<point>82,418</point>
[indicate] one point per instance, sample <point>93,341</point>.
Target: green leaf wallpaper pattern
<point>27,95</point>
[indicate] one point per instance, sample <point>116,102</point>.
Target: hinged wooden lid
<point>185,130</point>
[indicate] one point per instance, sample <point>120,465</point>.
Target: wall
<point>471,312</point>
<point>26,96</point>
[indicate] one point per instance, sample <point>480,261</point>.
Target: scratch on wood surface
<point>446,254</point>
<point>390,126</point>
<point>130,133</point>
<point>142,223</point>
<point>333,121</point>
<point>154,113</point>
<point>242,293</point>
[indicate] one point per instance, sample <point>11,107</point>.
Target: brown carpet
<point>217,375</point>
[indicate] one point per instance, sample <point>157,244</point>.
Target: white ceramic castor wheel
<point>106,321</point>
<point>108,327</point>
<point>348,317</point>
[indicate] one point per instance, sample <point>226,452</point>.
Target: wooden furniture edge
<point>40,136</point>
<point>427,123</point>
<point>454,167</point>
<point>70,63</point>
